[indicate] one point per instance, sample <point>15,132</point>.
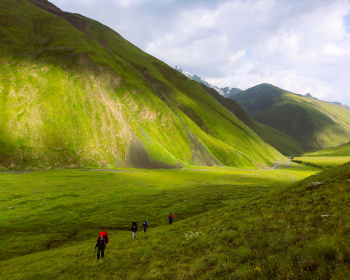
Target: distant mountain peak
<point>310,96</point>
<point>332,102</point>
<point>226,91</point>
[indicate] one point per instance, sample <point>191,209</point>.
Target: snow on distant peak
<point>223,91</point>
<point>187,74</point>
<point>197,78</point>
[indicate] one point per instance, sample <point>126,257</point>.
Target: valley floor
<point>223,217</point>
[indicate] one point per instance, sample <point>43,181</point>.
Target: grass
<point>68,205</point>
<point>292,231</point>
<point>340,151</point>
<point>323,162</point>
<point>79,95</point>
<point>277,139</point>
<point>326,158</point>
<point>312,123</point>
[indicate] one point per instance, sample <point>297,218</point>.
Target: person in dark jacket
<point>134,229</point>
<point>170,218</point>
<point>145,226</point>
<point>101,246</point>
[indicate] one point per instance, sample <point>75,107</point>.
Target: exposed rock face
<point>315,185</point>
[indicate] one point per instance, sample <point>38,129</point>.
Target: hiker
<point>134,229</point>
<point>101,245</point>
<point>170,218</point>
<point>145,225</point>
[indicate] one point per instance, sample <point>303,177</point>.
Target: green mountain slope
<point>74,93</point>
<point>341,150</point>
<point>277,139</point>
<point>295,232</point>
<point>313,124</point>
<point>326,158</point>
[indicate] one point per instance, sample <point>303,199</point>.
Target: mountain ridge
<point>85,96</point>
<point>314,124</point>
<point>277,139</point>
<point>229,91</point>
<point>332,102</point>
<point>226,91</point>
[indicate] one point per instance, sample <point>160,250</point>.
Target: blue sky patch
<point>347,22</point>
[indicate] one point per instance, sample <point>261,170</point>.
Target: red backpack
<point>104,234</point>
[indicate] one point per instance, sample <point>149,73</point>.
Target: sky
<point>302,46</point>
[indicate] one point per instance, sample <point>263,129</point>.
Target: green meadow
<point>326,158</point>
<point>340,151</point>
<point>50,213</point>
<point>83,111</point>
<point>323,161</point>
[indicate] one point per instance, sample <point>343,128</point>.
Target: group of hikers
<point>134,227</point>
<point>103,238</point>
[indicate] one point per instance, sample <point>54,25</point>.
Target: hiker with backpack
<point>145,225</point>
<point>101,243</point>
<point>170,218</point>
<point>134,229</point>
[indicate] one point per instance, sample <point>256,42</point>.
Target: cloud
<point>134,3</point>
<point>306,51</point>
<point>301,46</point>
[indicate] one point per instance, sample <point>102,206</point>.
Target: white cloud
<point>237,57</point>
<point>301,46</point>
<point>333,50</point>
<point>135,3</point>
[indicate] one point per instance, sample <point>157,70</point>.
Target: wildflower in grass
<point>255,270</point>
<point>191,234</point>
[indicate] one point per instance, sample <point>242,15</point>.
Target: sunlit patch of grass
<point>51,209</point>
<point>323,161</point>
<point>337,151</point>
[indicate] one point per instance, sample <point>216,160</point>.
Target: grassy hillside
<point>298,231</point>
<point>277,139</point>
<point>341,150</point>
<point>51,211</point>
<point>75,93</point>
<point>322,162</point>
<point>313,124</point>
<point>327,157</point>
